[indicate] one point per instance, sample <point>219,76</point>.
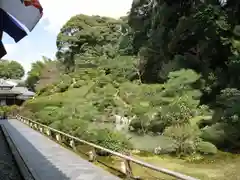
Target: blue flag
<point>27,13</point>
<point>2,50</point>
<point>11,26</point>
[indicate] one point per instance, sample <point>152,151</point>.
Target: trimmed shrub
<point>214,134</point>
<point>79,83</point>
<point>206,148</point>
<point>62,87</point>
<point>186,138</point>
<point>110,139</point>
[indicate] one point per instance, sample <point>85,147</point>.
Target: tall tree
<point>35,72</point>
<point>87,36</point>
<point>169,35</point>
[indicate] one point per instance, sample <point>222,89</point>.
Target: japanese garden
<point>161,82</point>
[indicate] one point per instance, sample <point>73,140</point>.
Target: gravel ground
<point>8,167</point>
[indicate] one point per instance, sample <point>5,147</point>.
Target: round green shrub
<point>214,134</point>
<point>46,90</point>
<point>111,140</point>
<point>207,148</point>
<point>62,87</point>
<point>185,136</point>
<point>56,125</point>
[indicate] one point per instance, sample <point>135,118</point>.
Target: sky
<point>42,40</point>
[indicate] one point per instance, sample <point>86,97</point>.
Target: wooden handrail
<point>129,158</point>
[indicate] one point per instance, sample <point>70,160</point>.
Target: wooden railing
<point>126,168</point>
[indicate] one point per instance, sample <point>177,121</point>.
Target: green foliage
<point>225,133</point>
<point>62,87</point>
<point>199,37</point>
<point>111,140</point>
<point>87,36</point>
<point>50,74</point>
<point>34,74</point>
<point>214,134</point>
<point>152,107</point>
<point>43,73</point>
<point>40,103</point>
<point>202,123</point>
<point>11,70</point>
<point>171,73</point>
<point>176,102</point>
<point>5,109</point>
<point>186,138</point>
<point>206,148</point>
<point>121,68</point>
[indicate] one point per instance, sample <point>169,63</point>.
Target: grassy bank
<point>217,167</point>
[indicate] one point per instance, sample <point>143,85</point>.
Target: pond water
<point>141,142</point>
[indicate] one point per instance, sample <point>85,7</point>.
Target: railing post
<point>72,144</point>
<point>48,132</point>
<point>58,137</point>
<point>41,129</point>
<point>126,167</point>
<point>92,155</point>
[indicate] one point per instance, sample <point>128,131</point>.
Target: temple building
<point>12,94</point>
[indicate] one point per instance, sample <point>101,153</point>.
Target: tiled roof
<point>9,92</point>
<point>21,92</point>
<point>14,81</point>
<point>24,91</point>
<point>3,83</point>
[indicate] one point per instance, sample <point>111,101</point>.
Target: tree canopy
<point>201,36</point>
<point>11,69</point>
<point>87,36</point>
